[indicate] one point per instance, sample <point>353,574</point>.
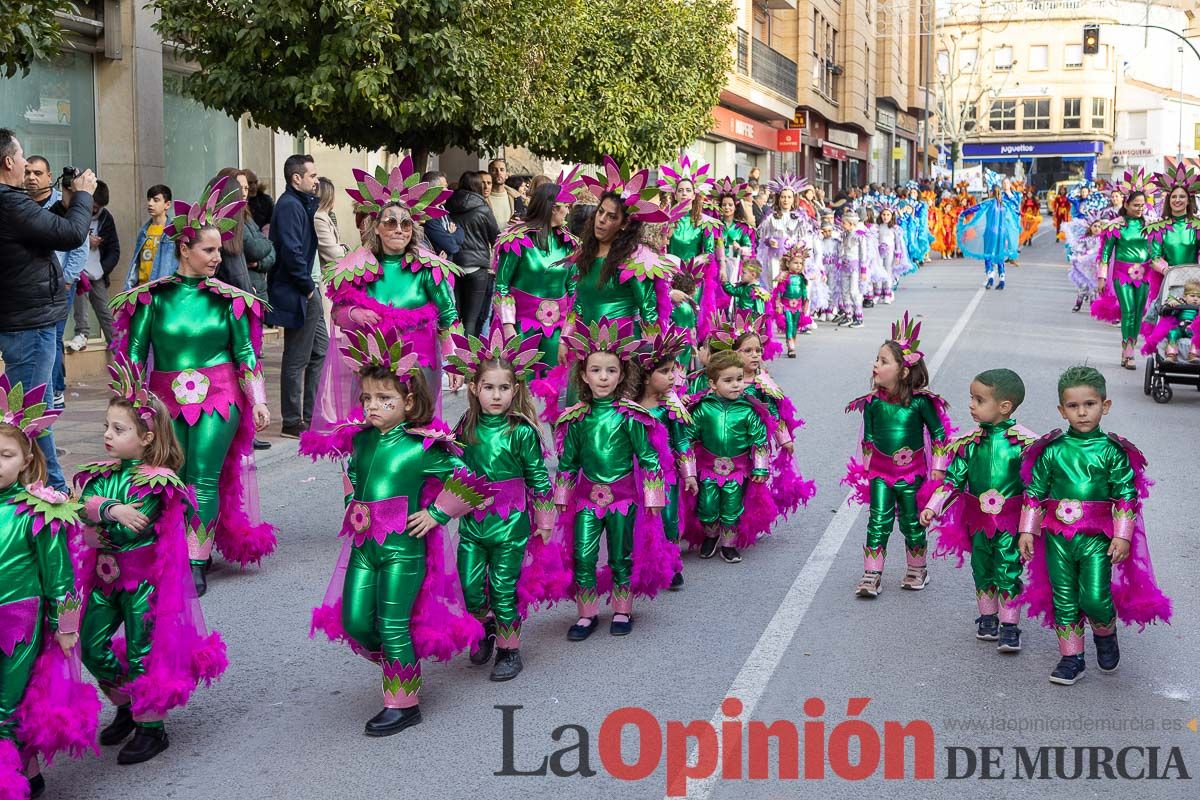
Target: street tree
<point>29,31</point>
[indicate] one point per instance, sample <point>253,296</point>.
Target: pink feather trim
<point>13,783</point>
<point>549,389</point>
<point>60,711</point>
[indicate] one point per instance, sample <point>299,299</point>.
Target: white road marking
<point>764,659</point>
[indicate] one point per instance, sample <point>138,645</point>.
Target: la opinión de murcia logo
<point>852,749</point>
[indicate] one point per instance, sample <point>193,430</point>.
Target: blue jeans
<point>29,358</point>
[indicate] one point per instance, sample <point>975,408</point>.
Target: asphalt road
<point>774,631</point>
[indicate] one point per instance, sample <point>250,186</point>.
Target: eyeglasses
<point>391,223</point>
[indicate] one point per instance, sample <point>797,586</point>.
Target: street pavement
<point>774,631</point>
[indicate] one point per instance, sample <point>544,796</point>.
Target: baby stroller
<point>1162,372</point>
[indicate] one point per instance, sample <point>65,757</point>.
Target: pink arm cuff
<point>938,500</point>
<point>687,465</point>
<point>1031,517</point>
<point>563,484</point>
<point>654,491</point>
<point>255,387</point>
<point>506,308</point>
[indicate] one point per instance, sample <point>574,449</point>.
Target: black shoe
<point>1010,638</point>
<point>392,720</point>
<point>577,632</point>
<point>291,431</point>
<point>200,578</point>
<point>1078,304</point>
<point>1108,654</point>
<point>261,444</point>
<point>483,654</point>
<point>508,664</point>
<point>987,627</point>
<point>37,786</point>
<point>677,582</point>
<point>625,628</point>
<point>868,302</point>
<point>120,728</point>
<point>730,555</point>
<point>145,745</point>
<point>708,548</point>
<point>792,353</point>
<point>1069,670</point>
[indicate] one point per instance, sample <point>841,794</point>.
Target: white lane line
<point>764,659</point>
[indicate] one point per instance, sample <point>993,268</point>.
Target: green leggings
<point>1081,579</point>
<point>886,501</point>
<point>670,514</point>
<point>1132,300</point>
<point>382,582</point>
<point>105,615</point>
<point>792,320</point>
<point>490,554</point>
<point>205,446</point>
<point>14,678</point>
<point>588,530</point>
<point>996,563</point>
<point>720,505</point>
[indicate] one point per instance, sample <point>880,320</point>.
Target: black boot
<point>508,664</point>
<point>200,578</point>
<point>987,627</point>
<point>145,745</point>
<point>1108,654</point>
<point>677,582</point>
<point>1069,670</point>
<point>393,720</point>
<point>119,728</point>
<point>1010,638</point>
<point>708,548</point>
<point>37,786</point>
<point>483,655</point>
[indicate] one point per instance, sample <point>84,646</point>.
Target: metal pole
<point>925,83</point>
<point>1179,143</point>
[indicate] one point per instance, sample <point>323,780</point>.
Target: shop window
<point>1035,115</point>
<point>1072,113</point>
<point>197,141</point>
<point>1003,115</point>
<point>52,110</point>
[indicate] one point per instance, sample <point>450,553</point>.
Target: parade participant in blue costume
<point>990,230</point>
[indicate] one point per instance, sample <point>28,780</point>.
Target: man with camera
<point>33,293</point>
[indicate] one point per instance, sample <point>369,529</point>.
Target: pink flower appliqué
<point>48,493</point>
<point>601,495</point>
<point>991,502</point>
<point>723,466</point>
<point>902,457</point>
<point>190,387</point>
<point>1137,272</point>
<point>107,568</point>
<point>548,312</point>
<point>1069,511</point>
<point>360,517</point>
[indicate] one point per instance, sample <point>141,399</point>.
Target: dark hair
<point>541,207</point>
<point>1083,375</point>
<point>746,336</point>
<point>8,143</point>
<point>621,249</point>
<point>471,182</point>
<point>581,215</point>
<point>723,360</point>
<point>739,209</point>
<point>496,161</point>
<point>415,387</point>
<point>1005,385</point>
<point>684,282</point>
<point>516,182</point>
<point>42,159</point>
<point>432,175</point>
<point>294,165</point>
<point>521,409</point>
<point>918,375</point>
<point>1191,203</point>
<point>643,375</point>
<point>233,245</point>
<point>1129,199</point>
<point>164,451</point>
<point>100,196</point>
<point>624,390</point>
<point>159,189</point>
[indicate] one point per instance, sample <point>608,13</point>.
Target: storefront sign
<point>836,153</point>
<point>1031,149</point>
<point>897,153</point>
<point>789,141</point>
<point>885,119</point>
<point>843,138</point>
<point>740,128</point>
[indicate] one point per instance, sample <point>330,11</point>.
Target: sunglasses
<point>391,223</point>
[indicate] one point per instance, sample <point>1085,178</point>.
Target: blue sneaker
<point>1069,670</point>
<point>987,627</point>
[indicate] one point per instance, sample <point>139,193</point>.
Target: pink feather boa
<point>549,389</point>
<point>13,783</point>
<point>713,298</point>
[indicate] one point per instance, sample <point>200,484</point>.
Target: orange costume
<point>1031,216</point>
<point>1060,206</point>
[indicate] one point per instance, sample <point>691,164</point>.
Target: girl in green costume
<point>1175,241</point>
<point>501,442</point>
<point>1125,265</point>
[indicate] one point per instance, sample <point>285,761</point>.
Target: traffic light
<point>1091,39</point>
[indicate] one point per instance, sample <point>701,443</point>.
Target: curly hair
<point>622,247</point>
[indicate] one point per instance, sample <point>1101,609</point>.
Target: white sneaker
<point>78,343</point>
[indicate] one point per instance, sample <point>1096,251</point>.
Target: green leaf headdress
<point>217,207</point>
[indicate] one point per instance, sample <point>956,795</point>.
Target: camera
<point>69,174</point>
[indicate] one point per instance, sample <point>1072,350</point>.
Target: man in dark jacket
<point>295,295</point>
<point>32,290</point>
<point>443,235</point>
<point>471,212</point>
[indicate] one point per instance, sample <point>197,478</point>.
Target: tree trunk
<point>420,157</point>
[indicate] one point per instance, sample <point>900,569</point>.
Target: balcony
<point>766,66</point>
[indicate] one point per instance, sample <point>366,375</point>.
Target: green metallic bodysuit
<point>631,300</point>
<point>671,412</point>
<point>748,297</point>
<point>735,236</point>
<point>38,588</point>
<point>689,240</point>
<point>1073,470</point>
<point>1179,242</point>
<point>401,287</point>
<point>725,446</point>
<point>791,296</point>
<point>1130,247</point>
<point>508,452</point>
<point>532,274</point>
<point>600,446</point>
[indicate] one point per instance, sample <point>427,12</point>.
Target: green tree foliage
<point>29,32</point>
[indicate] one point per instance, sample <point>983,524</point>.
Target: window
<point>968,117</point>
<point>1039,58</point>
<point>52,110</point>
<point>1073,56</point>
<point>1072,113</point>
<point>762,23</point>
<point>1003,115</point>
<point>943,62</point>
<point>1035,115</point>
<point>198,141</point>
<point>1099,115</point>
<point>1136,125</point>
<point>966,59</point>
<point>818,68</point>
<point>1003,59</point>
